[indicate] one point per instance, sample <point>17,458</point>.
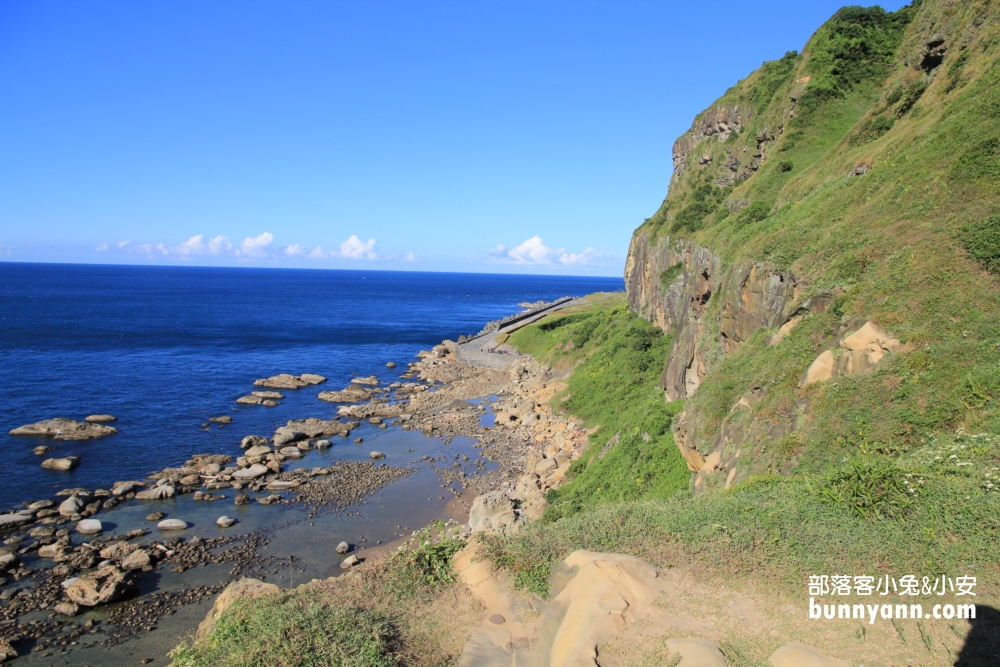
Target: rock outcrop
<point>855,353</point>
<point>66,429</point>
<point>107,584</point>
<point>671,284</point>
<point>286,381</point>
<point>493,511</point>
<point>241,588</point>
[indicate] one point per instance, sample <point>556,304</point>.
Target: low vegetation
<point>616,359</point>
<point>400,610</point>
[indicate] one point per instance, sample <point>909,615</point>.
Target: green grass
<point>294,628</point>
<point>377,616</point>
<point>617,359</point>
<point>785,529</point>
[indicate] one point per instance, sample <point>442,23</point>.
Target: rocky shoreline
<point>74,567</point>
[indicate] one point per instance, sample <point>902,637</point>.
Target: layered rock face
<point>671,283</point>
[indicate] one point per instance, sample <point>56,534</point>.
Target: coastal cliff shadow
<point>982,644</point>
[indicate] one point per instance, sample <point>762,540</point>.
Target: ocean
<point>165,348</point>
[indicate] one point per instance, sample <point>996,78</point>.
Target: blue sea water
<point>165,348</point>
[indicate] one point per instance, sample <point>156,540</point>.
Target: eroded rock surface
<point>286,381</point>
<point>65,429</point>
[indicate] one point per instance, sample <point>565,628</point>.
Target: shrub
<point>870,488</point>
<point>670,274</point>
<point>909,97</point>
<point>982,242</point>
<point>755,212</point>
<point>872,129</point>
<point>691,218</point>
<point>785,165</point>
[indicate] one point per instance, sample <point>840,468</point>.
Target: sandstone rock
<point>696,653</point>
<point>323,444</point>
<point>241,499</point>
<point>286,381</point>
<point>223,419</point>
<point>118,550</point>
<point>190,480</point>
<point>65,429</point>
<point>100,419</point>
<point>41,450</point>
<point>545,466</point>
<point>172,524</point>
<point>71,506</point>
<point>377,455</point>
<point>254,441</point>
<point>155,516</point>
<point>314,428</point>
<point>391,364</point>
<point>65,463</point>
<point>253,472</point>
<point>7,651</point>
<point>212,469</point>
<point>493,511</point>
<point>8,561</point>
<point>122,488</point>
<point>343,548</point>
<point>351,394</point>
<point>371,380</point>
<point>42,504</point>
<point>269,499</point>
<point>157,492</point>
<point>136,561</point>
<point>800,655</point>
<point>242,588</point>
<point>291,452</point>
<point>349,562</point>
<point>857,354</point>
<point>284,436</point>
<point>90,527</point>
<point>8,521</point>
<point>67,608</point>
<point>225,521</point>
<point>259,450</point>
<point>105,585</point>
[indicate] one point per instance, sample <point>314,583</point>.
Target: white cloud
<point>220,245</point>
<point>256,247</point>
<point>355,248</point>
<point>317,253</point>
<point>294,249</point>
<point>101,248</point>
<point>410,257</point>
<point>193,246</point>
<point>585,258</point>
<point>534,252</point>
<point>122,244</point>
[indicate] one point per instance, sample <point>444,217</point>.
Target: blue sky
<point>450,136</point>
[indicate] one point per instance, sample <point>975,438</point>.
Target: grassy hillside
<point>878,179</point>
<point>869,165</point>
<point>616,359</point>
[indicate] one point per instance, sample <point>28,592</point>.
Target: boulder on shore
<point>90,527</point>
<point>493,511</point>
<point>370,380</point>
<point>65,429</point>
<point>172,524</point>
<point>65,463</point>
<point>352,394</point>
<point>100,587</point>
<point>223,419</point>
